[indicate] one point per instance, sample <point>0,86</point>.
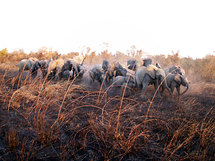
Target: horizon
<point>71,26</point>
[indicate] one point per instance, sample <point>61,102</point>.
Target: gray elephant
<point>108,72</point>
<point>26,64</point>
<point>146,76</point>
<point>122,82</point>
<point>119,70</point>
<point>105,65</point>
<point>96,73</point>
<point>147,62</point>
<point>132,64</point>
<point>70,65</point>
<point>54,69</point>
<point>175,81</point>
<point>42,65</point>
<point>81,70</point>
<point>78,70</point>
<point>174,70</point>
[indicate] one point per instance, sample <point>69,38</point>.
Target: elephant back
<point>56,64</point>
<point>151,71</point>
<point>25,64</point>
<point>33,59</point>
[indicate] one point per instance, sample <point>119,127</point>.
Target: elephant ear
<point>160,72</point>
<point>177,79</point>
<point>151,70</point>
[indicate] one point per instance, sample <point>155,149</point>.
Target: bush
<point>3,55</point>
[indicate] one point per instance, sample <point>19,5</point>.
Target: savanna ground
<point>72,120</point>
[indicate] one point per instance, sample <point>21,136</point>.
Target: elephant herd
<point>135,76</point>
<point>56,69</point>
<point>144,75</point>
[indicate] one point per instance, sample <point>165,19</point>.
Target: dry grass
<point>65,121</point>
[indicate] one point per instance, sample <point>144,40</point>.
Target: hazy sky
<point>156,27</point>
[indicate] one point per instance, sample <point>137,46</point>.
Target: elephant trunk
<point>187,87</point>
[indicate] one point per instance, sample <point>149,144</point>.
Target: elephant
<point>108,73</point>
<point>26,64</point>
<point>119,70</point>
<point>105,65</point>
<point>78,70</point>
<point>150,75</point>
<point>96,73</point>
<point>41,64</point>
<point>174,70</point>
<point>70,65</point>
<point>81,70</point>
<point>54,68</point>
<point>147,62</point>
<point>132,64</point>
<point>175,81</point>
<point>122,82</point>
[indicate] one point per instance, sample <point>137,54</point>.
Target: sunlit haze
<point>156,27</point>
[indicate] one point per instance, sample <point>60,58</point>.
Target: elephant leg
<point>144,85</point>
<point>178,90</point>
<point>162,90</point>
<point>127,89</point>
<point>138,86</point>
<point>122,88</point>
<point>172,88</point>
<point>91,81</point>
<point>156,87</point>
<point>57,74</point>
<point>45,72</point>
<point>138,83</point>
<point>146,81</point>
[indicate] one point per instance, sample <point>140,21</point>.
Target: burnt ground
<point>76,121</point>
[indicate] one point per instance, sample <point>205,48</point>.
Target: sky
<point>155,26</point>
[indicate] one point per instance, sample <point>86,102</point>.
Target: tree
<point>3,52</point>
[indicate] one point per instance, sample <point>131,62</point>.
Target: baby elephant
<point>175,81</point>
<point>123,82</point>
